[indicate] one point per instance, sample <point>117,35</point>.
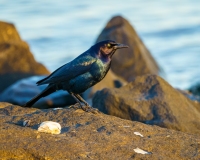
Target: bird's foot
<point>75,106</point>
<point>88,108</point>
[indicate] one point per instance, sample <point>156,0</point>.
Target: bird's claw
<point>75,106</point>
<point>86,108</point>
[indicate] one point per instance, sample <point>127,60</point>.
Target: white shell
<point>138,150</point>
<point>138,134</point>
<point>50,127</point>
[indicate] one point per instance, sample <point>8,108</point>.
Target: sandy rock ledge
<point>88,136</point>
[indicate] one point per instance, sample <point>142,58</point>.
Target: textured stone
<point>88,136</point>
<point>151,100</point>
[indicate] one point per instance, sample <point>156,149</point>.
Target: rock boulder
<point>88,136</point>
<point>16,59</point>
<point>8,32</point>
<point>151,100</point>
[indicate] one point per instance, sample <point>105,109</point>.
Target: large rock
<point>151,100</point>
<point>23,90</point>
<point>16,57</point>
<point>8,32</point>
<point>16,60</point>
<point>131,62</point>
<point>88,136</point>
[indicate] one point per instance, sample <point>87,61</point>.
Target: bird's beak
<point>118,46</point>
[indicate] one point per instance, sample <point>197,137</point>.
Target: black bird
<point>80,74</point>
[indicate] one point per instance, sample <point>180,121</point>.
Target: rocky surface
<point>88,136</point>
<point>131,62</point>
<point>151,100</point>
<point>148,99</point>
<point>8,32</point>
<point>16,60</point>
<point>23,90</point>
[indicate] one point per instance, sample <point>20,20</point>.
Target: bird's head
<point>107,48</point>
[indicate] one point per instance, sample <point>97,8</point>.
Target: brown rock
<point>16,60</point>
<point>151,100</point>
<point>131,62</point>
<point>88,136</point>
<point>16,57</point>
<point>8,32</point>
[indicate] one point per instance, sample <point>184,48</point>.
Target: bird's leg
<point>76,99</point>
<point>81,99</point>
<point>87,107</point>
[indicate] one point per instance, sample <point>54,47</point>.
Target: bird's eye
<point>109,45</point>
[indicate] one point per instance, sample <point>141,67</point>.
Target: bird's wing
<point>78,66</point>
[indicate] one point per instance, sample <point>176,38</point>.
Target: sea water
<point>58,31</point>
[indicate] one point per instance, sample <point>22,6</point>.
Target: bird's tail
<point>46,92</point>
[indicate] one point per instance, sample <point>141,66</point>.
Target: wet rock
<point>22,91</point>
<point>134,61</point>
<point>151,100</point>
<point>16,60</point>
<point>88,136</point>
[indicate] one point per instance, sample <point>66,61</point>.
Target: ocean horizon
<point>57,32</point>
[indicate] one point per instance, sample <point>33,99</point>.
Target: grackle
<point>80,74</point>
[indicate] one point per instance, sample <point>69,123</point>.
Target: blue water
<point>58,31</point>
